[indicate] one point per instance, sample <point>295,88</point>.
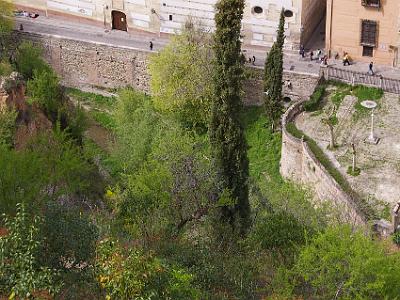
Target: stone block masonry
<point>82,63</point>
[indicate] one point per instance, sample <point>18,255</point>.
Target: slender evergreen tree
<point>226,131</point>
<point>273,73</point>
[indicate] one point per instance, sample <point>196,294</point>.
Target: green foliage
<point>316,98</point>
<point>136,125</point>
<point>356,172</point>
<point>273,72</point>
<point>181,78</point>
<point>69,238</point>
<point>279,232</point>
<point>7,126</point>
<point>20,273</point>
<point>77,123</point>
<point>226,132</point>
<point>50,167</point>
<point>5,68</point>
<point>6,23</point>
<point>44,89</point>
<point>345,264</point>
<point>396,237</point>
<point>133,274</point>
<point>28,59</point>
<point>363,206</point>
<point>225,270</point>
<point>366,93</point>
<point>104,119</point>
<point>87,98</point>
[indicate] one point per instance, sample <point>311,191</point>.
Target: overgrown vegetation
<point>316,98</point>
<point>142,218</point>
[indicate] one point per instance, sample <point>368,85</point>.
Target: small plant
<point>396,238</point>
<point>353,172</point>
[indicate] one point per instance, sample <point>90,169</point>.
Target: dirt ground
<point>379,180</point>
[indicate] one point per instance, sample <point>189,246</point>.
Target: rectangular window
<point>170,17</point>
<point>371,3</point>
<point>369,33</point>
<point>368,51</point>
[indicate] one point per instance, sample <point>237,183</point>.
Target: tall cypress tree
<point>273,72</point>
<point>226,131</point>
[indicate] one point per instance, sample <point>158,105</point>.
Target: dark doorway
<point>119,20</point>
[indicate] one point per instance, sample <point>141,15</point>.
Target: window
<point>371,3</point>
<point>170,17</point>
<point>288,13</point>
<point>369,33</point>
<point>257,10</point>
<point>368,51</point>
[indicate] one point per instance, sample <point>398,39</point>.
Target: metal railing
<point>389,85</point>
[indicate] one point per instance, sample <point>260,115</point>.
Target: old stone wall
<point>299,164</point>
<point>87,63</point>
<point>296,86</point>
<point>84,63</point>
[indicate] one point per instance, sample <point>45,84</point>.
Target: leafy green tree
<point>69,238</point>
<point>51,166</point>
<point>28,59</point>
<point>20,273</point>
<point>133,274</point>
<point>345,264</point>
<point>6,23</point>
<point>273,72</point>
<point>44,89</point>
<point>226,131</point>
<point>7,126</point>
<point>181,77</point>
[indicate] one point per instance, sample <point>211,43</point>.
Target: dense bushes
<point>344,264</point>
<point>28,59</point>
<point>21,275</point>
<point>315,100</point>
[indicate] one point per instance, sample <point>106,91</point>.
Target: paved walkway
<point>140,39</point>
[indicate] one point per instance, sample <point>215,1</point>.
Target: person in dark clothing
<point>21,27</point>
<point>254,60</point>
<point>311,55</point>
<point>370,68</point>
<point>302,51</point>
<point>151,46</point>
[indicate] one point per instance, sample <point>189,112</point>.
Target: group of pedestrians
<point>317,56</point>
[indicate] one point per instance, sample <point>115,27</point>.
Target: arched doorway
<point>119,20</point>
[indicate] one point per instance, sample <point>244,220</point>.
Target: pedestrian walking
<point>346,59</point>
<point>311,55</point>
<point>254,60</point>
<point>370,68</point>
<point>21,27</point>
<point>151,46</point>
<point>302,51</point>
<point>319,52</point>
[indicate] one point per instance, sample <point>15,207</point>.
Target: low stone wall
<point>299,164</point>
<point>82,63</point>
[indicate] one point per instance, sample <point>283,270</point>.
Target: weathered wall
<point>81,63</point>
<point>301,85</point>
<point>299,164</point>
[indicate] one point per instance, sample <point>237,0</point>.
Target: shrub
<point>69,238</point>
<point>396,238</point>
<point>133,274</point>
<point>5,68</point>
<point>315,100</point>
<point>20,272</point>
<point>345,264</point>
<point>7,126</point>
<point>29,59</point>
<point>44,89</point>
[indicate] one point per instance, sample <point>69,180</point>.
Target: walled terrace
<point>378,183</point>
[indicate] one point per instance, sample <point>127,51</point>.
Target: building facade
<point>260,21</point>
<point>368,30</point>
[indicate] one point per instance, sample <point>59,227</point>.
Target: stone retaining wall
<point>299,164</point>
<point>82,63</point>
